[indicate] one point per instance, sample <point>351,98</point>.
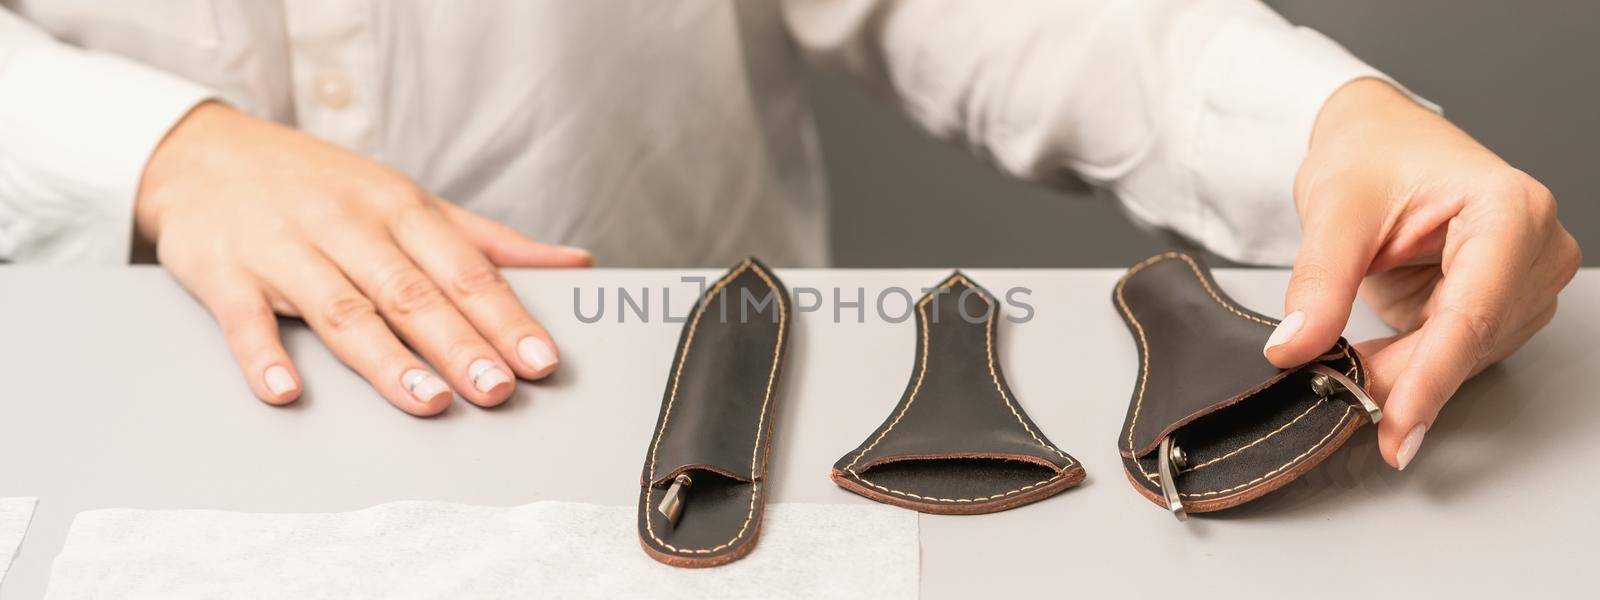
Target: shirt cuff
<point>1262,84</point>
<point>79,127</point>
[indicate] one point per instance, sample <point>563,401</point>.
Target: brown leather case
<point>1246,427</point>
<point>958,442</point>
<point>716,423</point>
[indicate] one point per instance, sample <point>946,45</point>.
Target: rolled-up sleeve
<point>1195,114</point>
<point>76,128</point>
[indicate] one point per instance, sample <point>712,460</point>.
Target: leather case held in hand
<point>958,442</point>
<point>704,486</point>
<point>1212,424</point>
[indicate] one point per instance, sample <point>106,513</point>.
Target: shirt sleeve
<point>76,128</point>
<point>1196,114</point>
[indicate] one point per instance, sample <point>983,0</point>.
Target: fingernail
<point>278,380</point>
<point>536,353</point>
<point>1287,329</point>
<point>424,386</point>
<point>486,375</point>
<point>576,250</point>
<point>1408,448</point>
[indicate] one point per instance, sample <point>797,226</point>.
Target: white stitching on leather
<point>922,369</point>
<point>1314,406</point>
<point>1144,356</point>
<point>933,499</point>
<point>765,402</point>
<point>1348,409</point>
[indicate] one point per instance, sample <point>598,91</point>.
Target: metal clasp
<point>672,504</point>
<point>1325,381</point>
<point>1170,458</point>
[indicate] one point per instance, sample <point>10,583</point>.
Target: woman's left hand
<point>1459,251</point>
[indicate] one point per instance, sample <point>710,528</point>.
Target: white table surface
<point>118,391</point>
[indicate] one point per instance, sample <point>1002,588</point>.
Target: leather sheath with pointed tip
<point>716,423</point>
<point>1246,426</point>
<point>958,442</point>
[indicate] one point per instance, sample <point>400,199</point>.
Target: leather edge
<point>1176,425</point>
<point>1204,272</point>
<point>666,480</point>
<point>1269,485</point>
<point>740,546</point>
<point>1032,460</point>
<point>859,452</point>
<point>1069,478</point>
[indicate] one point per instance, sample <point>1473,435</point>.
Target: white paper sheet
<point>15,514</point>
<point>440,550</point>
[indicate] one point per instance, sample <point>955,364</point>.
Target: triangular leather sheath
<point>704,486</point>
<point>958,442</point>
<point>1242,426</point>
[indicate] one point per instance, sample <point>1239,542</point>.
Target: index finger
<point>478,290</point>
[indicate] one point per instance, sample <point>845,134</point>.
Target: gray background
<point>1520,76</point>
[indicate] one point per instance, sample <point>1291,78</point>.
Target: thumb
<point>507,247</point>
<point>1336,248</point>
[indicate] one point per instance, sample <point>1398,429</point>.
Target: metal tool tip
<point>672,503</point>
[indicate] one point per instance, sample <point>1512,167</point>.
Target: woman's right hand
<point>259,220</point>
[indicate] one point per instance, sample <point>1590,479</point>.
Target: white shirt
<point>667,133</point>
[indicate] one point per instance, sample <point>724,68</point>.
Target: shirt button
<point>332,89</point>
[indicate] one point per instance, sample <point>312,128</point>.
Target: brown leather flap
<point>959,441</point>
<point>1199,350</point>
<point>718,397</point>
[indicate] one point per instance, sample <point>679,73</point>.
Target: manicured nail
<point>536,353</point>
<point>278,380</point>
<point>1287,329</point>
<point>1408,448</point>
<point>486,375</point>
<point>424,386</point>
